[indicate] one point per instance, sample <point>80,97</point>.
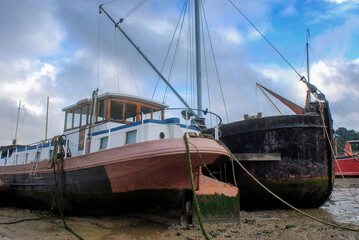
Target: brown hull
<point>160,164</point>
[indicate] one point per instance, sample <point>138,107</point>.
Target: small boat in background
<point>348,164</point>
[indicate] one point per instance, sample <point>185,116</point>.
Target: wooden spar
<point>292,106</point>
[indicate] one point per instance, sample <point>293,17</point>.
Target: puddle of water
<point>342,207</point>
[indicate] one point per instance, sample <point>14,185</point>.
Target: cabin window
<point>355,147</point>
<point>104,143</point>
<point>131,137</point>
<point>116,110</point>
<point>130,112</point>
<point>146,111</point>
<point>101,112</point>
<point>84,115</point>
<point>69,120</point>
<point>157,114</point>
<point>4,154</point>
<point>77,115</point>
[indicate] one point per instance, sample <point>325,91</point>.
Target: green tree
<point>342,135</point>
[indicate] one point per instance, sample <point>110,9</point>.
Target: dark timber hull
<point>296,163</point>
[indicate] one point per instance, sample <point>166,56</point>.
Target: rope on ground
<point>59,153</point>
<point>193,190</point>
<point>29,219</point>
<point>332,149</point>
<point>283,201</point>
<point>21,220</point>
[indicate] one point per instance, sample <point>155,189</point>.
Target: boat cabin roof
<point>118,96</point>
<point>114,107</point>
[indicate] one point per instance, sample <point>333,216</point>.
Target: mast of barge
<point>198,56</point>
<point>307,47</point>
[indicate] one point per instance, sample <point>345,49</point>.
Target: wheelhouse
<point>112,107</point>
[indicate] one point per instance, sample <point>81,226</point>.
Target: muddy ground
<point>269,224</point>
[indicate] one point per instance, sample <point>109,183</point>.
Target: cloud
<point>342,1</point>
<point>65,50</point>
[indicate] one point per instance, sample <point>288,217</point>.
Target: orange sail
<point>294,107</point>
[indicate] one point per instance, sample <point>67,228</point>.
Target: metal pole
<point>47,117</point>
<point>198,56</point>
<point>147,60</point>
<point>17,124</point>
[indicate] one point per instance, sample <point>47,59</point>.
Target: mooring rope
<point>58,148</point>
<point>332,149</point>
<point>280,199</point>
<point>193,190</point>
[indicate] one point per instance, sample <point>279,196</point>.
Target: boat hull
<point>129,176</point>
<point>348,166</point>
<point>303,174</point>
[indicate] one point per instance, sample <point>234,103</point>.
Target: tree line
<point>342,135</point>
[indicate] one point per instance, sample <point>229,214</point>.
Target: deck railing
<point>186,120</point>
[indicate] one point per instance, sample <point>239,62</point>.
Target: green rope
<point>193,191</point>
<point>57,140</point>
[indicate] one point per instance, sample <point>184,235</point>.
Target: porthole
<point>162,135</point>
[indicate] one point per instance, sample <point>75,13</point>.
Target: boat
<point>119,153</point>
<point>348,164</point>
<point>127,154</point>
<point>290,154</point>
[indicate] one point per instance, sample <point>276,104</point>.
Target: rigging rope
<point>332,149</point>
<point>215,62</point>
<point>129,64</point>
<point>175,54</point>
<point>339,109</point>
<point>269,99</point>
<point>169,48</point>
<point>134,9</point>
<point>206,68</point>
<point>249,21</point>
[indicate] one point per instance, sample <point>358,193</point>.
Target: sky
<point>65,49</point>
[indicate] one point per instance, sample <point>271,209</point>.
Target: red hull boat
<point>348,165</point>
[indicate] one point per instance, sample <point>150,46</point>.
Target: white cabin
<point>117,120</point>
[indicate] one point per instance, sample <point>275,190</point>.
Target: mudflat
<point>262,224</point>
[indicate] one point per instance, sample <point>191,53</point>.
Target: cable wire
<point>129,64</point>
<point>134,9</point>
<point>175,52</point>
<point>249,21</point>
<point>215,62</point>
<point>169,48</point>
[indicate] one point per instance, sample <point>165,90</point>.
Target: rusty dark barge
<point>290,154</point>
